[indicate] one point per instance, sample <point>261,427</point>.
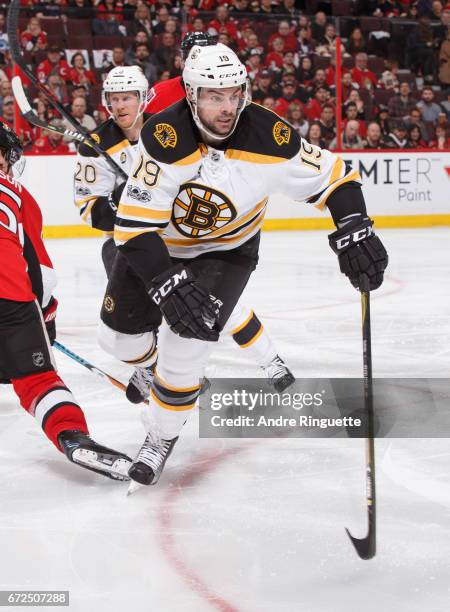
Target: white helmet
<point>126,78</point>
<point>215,66</point>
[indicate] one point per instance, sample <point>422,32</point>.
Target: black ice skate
<point>138,389</point>
<point>82,450</point>
<point>150,460</point>
<point>278,374</point>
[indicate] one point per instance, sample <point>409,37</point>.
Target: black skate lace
<point>153,451</point>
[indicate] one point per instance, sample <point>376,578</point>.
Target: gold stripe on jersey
<point>175,408</point>
<point>253,158</point>
<point>242,325</point>
<point>353,176</point>
<point>220,235</point>
<point>337,170</point>
<point>137,213</point>
<point>79,203</point>
<point>123,144</point>
<point>87,211</point>
<point>122,235</point>
<point>193,158</point>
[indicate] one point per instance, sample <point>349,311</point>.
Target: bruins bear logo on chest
<point>199,210</point>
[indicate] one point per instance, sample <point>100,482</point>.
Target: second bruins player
<point>97,193</point>
<point>196,198</point>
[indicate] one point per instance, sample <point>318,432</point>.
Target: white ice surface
<point>248,526</point>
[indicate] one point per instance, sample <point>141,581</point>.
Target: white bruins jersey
<point>202,199</point>
<point>94,179</point>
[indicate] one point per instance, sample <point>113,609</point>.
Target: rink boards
<point>402,189</point>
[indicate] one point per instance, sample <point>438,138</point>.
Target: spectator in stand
<point>267,7</point>
<point>288,95</point>
<point>441,31</point>
<point>319,80</point>
<point>397,139</point>
<point>318,27</point>
<point>284,32</point>
<point>415,140</point>
<point>327,123</point>
<point>347,86</point>
<point>254,6</point>
<point>315,105</point>
<point>304,43</point>
<point>388,81</point>
<point>142,21</point>
<point>5,92</point>
<point>389,8</point>
<point>328,47</point>
<point>361,75</point>
<point>415,118</point>
<point>239,6</point>
<point>263,86</point>
<point>350,138</point>
<point>441,139</point>
<point>51,143</point>
<point>164,55</point>
<point>419,49</point>
<point>373,137</point>
<point>444,61</point>
<point>269,103</point>
<point>429,109</point>
<point>162,15</point>
<point>54,64</point>
<point>130,53</point>
<point>314,136</point>
<point>33,38</point>
<point>117,59</point>
<point>384,121</point>
<point>8,111</point>
<point>305,72</point>
<point>57,86</point>
<point>356,99</point>
<point>356,42</point>
<point>108,19</point>
<point>251,43</point>
<point>79,74</point>
<point>78,110</point>
<point>176,68</point>
<point>296,118</point>
<point>254,64</point>
<point>287,8</point>
<point>81,9</point>
<point>290,64</point>
<point>80,91</point>
<point>351,114</point>
<point>436,9</point>
<point>275,58</point>
<point>222,21</point>
<point>150,70</point>
<point>401,105</point>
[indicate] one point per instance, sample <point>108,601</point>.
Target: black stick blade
<point>365,547</point>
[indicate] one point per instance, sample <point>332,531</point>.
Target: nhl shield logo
<point>165,135</point>
<point>199,210</point>
<point>38,359</point>
<point>281,133</point>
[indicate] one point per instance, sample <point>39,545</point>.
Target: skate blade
<point>117,469</point>
<point>133,487</point>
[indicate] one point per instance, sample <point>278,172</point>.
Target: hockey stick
<point>12,27</point>
<point>366,547</point>
<point>91,367</point>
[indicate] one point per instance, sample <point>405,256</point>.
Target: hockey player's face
<point>4,166</point>
<point>124,107</point>
<point>217,108</point>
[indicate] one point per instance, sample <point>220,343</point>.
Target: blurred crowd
<point>395,69</point>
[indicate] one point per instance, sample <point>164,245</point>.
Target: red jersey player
<point>27,325</point>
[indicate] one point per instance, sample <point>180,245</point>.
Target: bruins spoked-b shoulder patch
<point>281,133</point>
<point>199,210</point>
<point>109,304</point>
<point>166,135</point>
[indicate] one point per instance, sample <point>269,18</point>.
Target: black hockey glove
<point>49,314</point>
<point>185,305</point>
<point>360,253</point>
<point>115,195</point>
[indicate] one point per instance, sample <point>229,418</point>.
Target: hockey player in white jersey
<point>97,193</point>
<point>189,221</point>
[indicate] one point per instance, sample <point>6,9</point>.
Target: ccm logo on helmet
<point>163,291</point>
<point>361,234</point>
